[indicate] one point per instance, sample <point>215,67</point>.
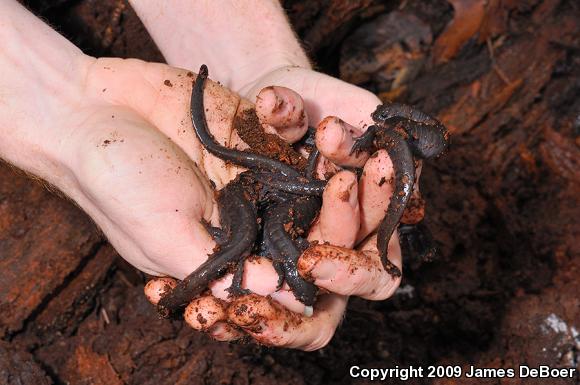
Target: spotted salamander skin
<point>288,180</point>
<point>238,220</point>
<point>403,132</point>
<point>285,251</point>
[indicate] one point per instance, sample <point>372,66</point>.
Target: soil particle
<point>240,310</point>
<point>201,319</point>
<point>344,195</point>
<point>250,130</point>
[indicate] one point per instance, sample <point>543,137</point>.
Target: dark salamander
<point>296,214</point>
<point>288,179</point>
<point>403,132</point>
<point>239,229</point>
<point>237,203</point>
<point>292,201</point>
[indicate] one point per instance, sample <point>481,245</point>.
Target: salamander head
<point>394,112</point>
<point>387,111</point>
<point>427,137</point>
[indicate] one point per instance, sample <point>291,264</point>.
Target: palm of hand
<point>139,170</point>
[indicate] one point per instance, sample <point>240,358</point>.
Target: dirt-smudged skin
<point>290,180</point>
<point>238,219</point>
<point>403,132</point>
<point>294,215</point>
<point>238,203</point>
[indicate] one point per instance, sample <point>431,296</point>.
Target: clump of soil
<point>250,130</point>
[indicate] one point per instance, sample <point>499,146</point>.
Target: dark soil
<point>502,206</point>
<point>249,129</point>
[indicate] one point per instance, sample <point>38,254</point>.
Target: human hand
<point>337,269</point>
<point>256,38</point>
<point>113,135</point>
<point>120,145</point>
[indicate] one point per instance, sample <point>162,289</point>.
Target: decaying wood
<point>43,240</point>
<point>17,367</point>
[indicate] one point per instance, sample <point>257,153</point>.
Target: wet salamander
<point>404,133</point>
<point>296,215</point>
<point>238,203</point>
<point>288,179</point>
<point>239,230</point>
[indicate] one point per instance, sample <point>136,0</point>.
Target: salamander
<point>239,229</point>
<point>288,179</point>
<point>404,133</point>
<point>240,213</point>
<point>285,228</point>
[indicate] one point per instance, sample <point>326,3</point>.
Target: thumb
<point>323,95</point>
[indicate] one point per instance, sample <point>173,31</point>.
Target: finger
<point>158,287</point>
<point>335,138</point>
<point>324,95</point>
<point>203,314</point>
<point>281,111</point>
<point>263,281</point>
<point>339,201</point>
<point>352,272</point>
<point>375,191</point>
<point>271,324</point>
<point>224,331</point>
<point>161,94</point>
<point>208,314</point>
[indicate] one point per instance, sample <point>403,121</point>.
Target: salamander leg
<point>365,142</point>
<point>219,236</point>
<point>236,290</point>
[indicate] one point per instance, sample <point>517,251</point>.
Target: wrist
<point>239,40</point>
<point>41,83</point>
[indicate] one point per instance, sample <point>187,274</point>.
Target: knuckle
<point>386,290</point>
<point>358,280</point>
<point>321,340</point>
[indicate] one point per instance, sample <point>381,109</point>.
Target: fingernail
<point>308,311</point>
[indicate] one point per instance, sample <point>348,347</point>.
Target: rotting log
<point>43,241</point>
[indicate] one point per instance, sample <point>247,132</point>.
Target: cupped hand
<point>115,136</point>
<point>351,211</point>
